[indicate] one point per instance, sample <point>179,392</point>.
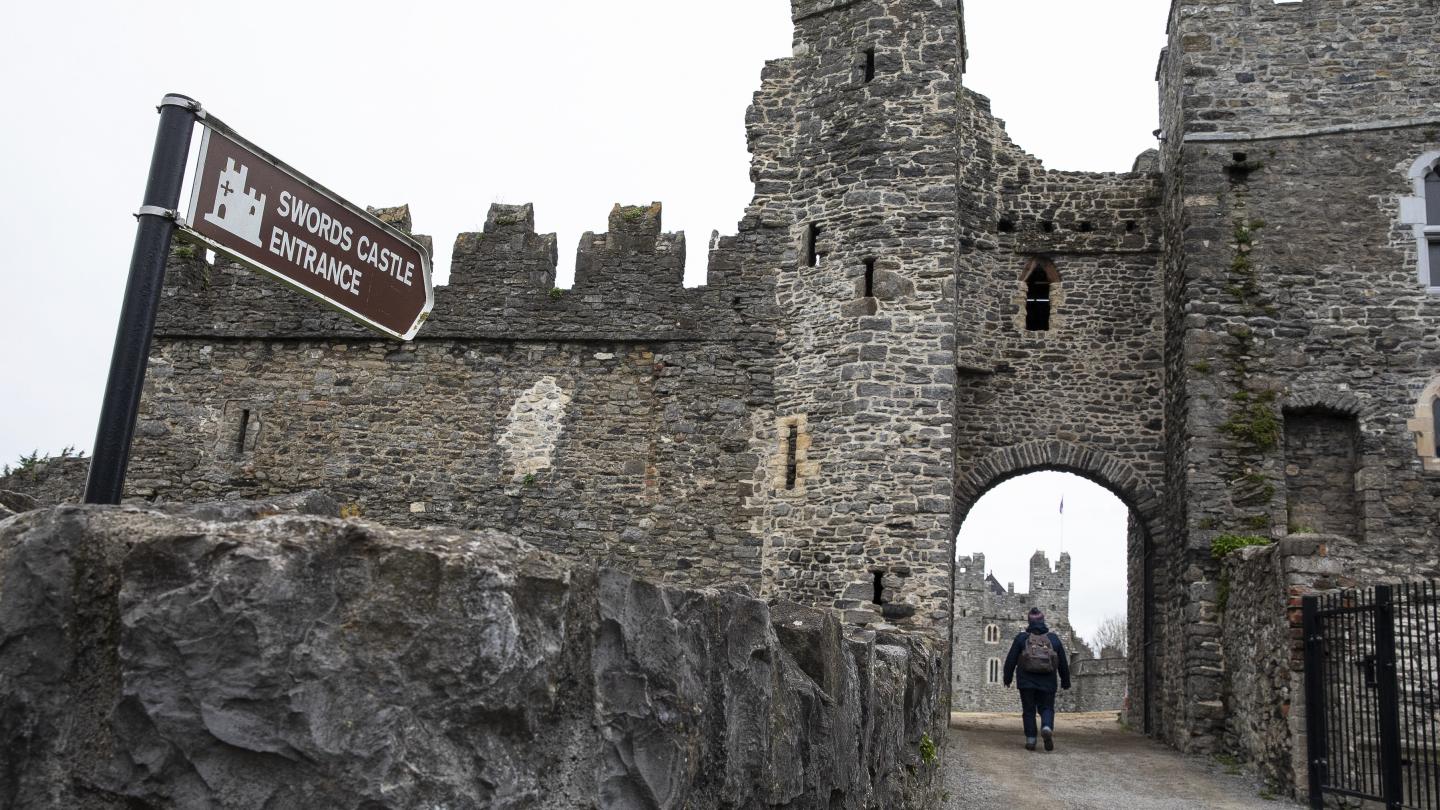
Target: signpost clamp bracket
<point>157,211</point>
<point>183,102</point>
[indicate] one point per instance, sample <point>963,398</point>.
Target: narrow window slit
<point>869,65</point>
<point>244,429</point>
<point>1037,303</point>
<point>869,278</point>
<point>879,587</point>
<point>791,465</point>
<point>812,240</point>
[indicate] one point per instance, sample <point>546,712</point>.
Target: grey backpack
<point>1039,654</point>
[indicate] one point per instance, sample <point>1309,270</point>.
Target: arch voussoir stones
<point>1053,454</point>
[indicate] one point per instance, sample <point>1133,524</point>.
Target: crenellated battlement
<point>1047,579</point>
<point>970,572</point>
<point>629,285</point>
<point>634,252</point>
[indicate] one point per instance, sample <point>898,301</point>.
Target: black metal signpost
<point>261,213</point>
<point>106,482</point>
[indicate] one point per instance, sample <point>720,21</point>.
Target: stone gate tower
<point>855,159</point>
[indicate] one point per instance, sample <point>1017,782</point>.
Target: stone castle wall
<point>801,406</point>
<point>1094,378</point>
<point>1298,335</point>
<point>1255,66</point>
<point>1097,685</point>
<point>613,420</point>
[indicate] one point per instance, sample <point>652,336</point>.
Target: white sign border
<point>210,123</point>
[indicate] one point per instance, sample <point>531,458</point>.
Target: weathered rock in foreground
<point>157,661</point>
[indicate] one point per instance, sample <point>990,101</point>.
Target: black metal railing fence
<point>1372,680</point>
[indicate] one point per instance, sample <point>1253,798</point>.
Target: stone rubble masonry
<point>1097,684</point>
<point>50,481</point>
<point>861,176</point>
<point>1265,648</point>
<point>612,420</point>
<point>1298,337</point>
<point>230,657</point>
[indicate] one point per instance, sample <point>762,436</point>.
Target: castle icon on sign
<point>237,210</point>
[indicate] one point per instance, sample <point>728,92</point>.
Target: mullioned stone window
<point>1426,426</point>
<point>994,670</point>
<point>1422,213</point>
<point>992,634</point>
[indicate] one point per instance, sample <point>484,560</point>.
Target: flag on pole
<point>1062,504</point>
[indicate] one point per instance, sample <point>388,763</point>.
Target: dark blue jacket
<point>1037,680</point>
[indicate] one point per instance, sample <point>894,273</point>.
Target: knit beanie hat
<point>1036,615</point>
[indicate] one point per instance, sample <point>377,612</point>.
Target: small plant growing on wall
<point>25,463</point>
<point>928,754</point>
<point>1222,547</point>
<point>1253,422</point>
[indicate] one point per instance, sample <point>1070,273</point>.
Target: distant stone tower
<point>987,618</point>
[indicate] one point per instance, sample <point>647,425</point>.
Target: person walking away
<point>1036,657</point>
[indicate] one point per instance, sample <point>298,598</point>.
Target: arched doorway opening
<point>1023,485</point>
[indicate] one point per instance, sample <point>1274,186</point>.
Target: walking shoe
<point>1029,743</point>
<point>1049,738</point>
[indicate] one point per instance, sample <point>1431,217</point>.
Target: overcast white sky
<point>571,104</point>
<point>1022,516</point>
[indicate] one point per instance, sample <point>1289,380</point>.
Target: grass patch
<point>633,213</point>
<point>1226,544</point>
<point>1222,547</point>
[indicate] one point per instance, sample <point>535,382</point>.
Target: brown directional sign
<point>266,215</point>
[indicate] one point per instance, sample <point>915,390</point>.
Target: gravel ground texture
<point>1096,765</point>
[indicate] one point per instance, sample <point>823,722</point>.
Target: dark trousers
<point>1033,701</point>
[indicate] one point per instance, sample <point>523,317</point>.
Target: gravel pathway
<point>1096,765</point>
